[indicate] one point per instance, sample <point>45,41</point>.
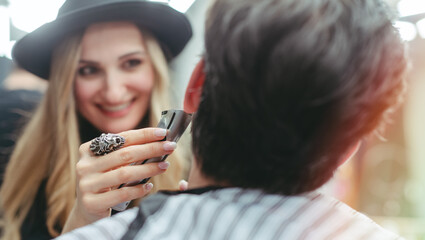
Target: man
<point>284,94</point>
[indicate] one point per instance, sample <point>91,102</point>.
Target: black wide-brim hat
<point>171,28</point>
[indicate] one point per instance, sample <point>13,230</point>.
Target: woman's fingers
<point>144,135</point>
<point>131,154</point>
<point>133,137</point>
<point>96,203</point>
<point>139,145</point>
<point>99,175</point>
<point>97,183</point>
<point>183,185</point>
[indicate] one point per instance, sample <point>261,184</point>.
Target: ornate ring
<point>106,143</point>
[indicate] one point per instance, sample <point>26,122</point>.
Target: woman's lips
<point>116,111</point>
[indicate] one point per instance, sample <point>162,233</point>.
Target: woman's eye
<point>87,70</point>
<point>132,63</point>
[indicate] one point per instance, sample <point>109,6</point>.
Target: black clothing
<point>34,226</point>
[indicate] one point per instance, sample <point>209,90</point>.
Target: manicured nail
<point>148,186</point>
<point>183,185</point>
<point>163,165</point>
<point>169,146</point>
<point>160,132</point>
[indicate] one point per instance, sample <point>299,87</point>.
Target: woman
<point>106,63</point>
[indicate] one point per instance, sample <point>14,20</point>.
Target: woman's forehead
<point>111,39</point>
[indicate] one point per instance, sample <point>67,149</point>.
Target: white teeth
<point>116,108</point>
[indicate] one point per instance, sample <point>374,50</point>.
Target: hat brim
<point>172,29</point>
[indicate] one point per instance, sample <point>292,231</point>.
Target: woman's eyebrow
<point>88,62</point>
<point>133,53</point>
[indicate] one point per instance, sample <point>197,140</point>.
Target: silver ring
<point>106,143</point>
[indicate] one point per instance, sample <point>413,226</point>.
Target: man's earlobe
<point>194,88</point>
<point>350,153</point>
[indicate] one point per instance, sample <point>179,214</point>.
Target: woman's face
<point>115,77</point>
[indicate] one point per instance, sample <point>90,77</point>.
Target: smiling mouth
<point>116,108</point>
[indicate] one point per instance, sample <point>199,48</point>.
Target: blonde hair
<point>48,147</point>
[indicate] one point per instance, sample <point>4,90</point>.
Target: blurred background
<point>386,178</point>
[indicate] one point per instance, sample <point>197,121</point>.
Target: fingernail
<point>183,185</point>
<point>163,165</point>
<point>148,186</point>
<point>160,132</point>
<point>170,146</point>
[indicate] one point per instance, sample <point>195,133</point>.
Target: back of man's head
<point>291,86</point>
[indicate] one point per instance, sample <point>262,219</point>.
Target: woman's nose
<point>114,87</point>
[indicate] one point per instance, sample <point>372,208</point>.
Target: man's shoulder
<point>107,228</point>
<point>267,216</point>
<point>258,215</point>
<point>333,219</point>
<point>236,213</point>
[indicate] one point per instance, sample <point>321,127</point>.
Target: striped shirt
<point>234,213</point>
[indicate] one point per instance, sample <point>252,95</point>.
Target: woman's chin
<point>118,127</point>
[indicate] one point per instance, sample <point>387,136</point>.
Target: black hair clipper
<point>176,122</point>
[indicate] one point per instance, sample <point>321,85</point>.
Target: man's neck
<point>198,180</point>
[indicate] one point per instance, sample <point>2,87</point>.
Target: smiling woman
<point>115,76</point>
<point>106,64</point>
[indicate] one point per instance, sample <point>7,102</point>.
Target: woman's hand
<point>99,176</point>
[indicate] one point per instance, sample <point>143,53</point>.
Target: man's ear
<point>351,152</point>
<point>194,88</point>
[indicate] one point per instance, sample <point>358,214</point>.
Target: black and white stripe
<point>235,213</point>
